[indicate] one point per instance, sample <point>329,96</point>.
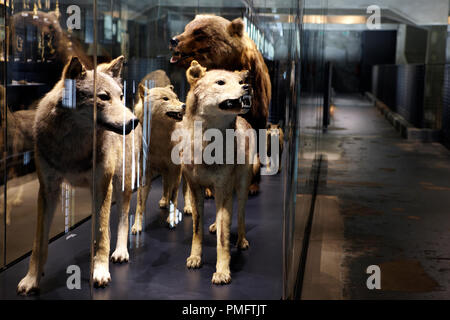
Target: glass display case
<point>91,94</point>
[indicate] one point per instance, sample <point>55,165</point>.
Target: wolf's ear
<point>244,74</point>
<point>74,69</point>
<point>236,27</point>
<point>195,72</point>
<point>143,91</point>
<point>114,68</point>
<point>57,14</point>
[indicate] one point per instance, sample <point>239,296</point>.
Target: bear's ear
<point>143,91</point>
<point>113,68</point>
<point>236,27</point>
<point>195,72</point>
<point>74,69</point>
<point>170,87</point>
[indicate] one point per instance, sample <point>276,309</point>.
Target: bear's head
<point>163,101</point>
<point>217,92</point>
<point>213,41</point>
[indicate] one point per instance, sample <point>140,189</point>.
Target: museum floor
<point>384,201</point>
<point>157,267</point>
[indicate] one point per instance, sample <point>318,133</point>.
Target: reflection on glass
<point>38,45</point>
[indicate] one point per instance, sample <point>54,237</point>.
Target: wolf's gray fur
<point>63,151</point>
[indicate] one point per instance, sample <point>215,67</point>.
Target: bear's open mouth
<point>179,56</point>
<point>242,104</point>
<point>175,115</point>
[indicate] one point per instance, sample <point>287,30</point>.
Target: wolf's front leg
<point>49,192</point>
<point>174,181</point>
<point>187,198</point>
<point>101,275</point>
<point>224,205</point>
<point>141,203</point>
<point>164,202</point>
<point>242,195</point>
<point>123,199</point>
<point>195,259</point>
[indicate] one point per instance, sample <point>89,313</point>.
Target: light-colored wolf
<point>217,98</point>
<point>64,134</point>
<point>165,116</point>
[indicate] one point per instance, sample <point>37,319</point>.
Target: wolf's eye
<point>166,99</point>
<point>121,97</point>
<point>104,96</point>
<point>220,82</point>
<point>241,82</point>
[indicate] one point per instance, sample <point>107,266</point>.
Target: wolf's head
<point>218,92</point>
<point>164,102</point>
<point>111,111</point>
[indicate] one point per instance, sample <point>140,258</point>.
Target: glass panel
<point>3,216</point>
<point>41,37</point>
<point>311,101</point>
<point>99,74</point>
<point>143,32</point>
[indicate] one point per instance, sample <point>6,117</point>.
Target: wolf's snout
<point>131,125</point>
<point>120,127</point>
<point>246,87</point>
<point>183,106</point>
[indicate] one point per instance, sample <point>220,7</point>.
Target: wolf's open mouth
<point>175,115</point>
<point>243,104</point>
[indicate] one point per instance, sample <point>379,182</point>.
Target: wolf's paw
<point>213,228</point>
<point>243,244</point>
<point>188,210</point>
<point>29,284</point>
<point>253,190</point>
<point>101,275</point>
<point>120,255</point>
<point>193,262</point>
<point>208,193</point>
<point>221,278</point>
<point>136,228</point>
<point>163,203</point>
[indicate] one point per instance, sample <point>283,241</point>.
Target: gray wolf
<point>63,135</point>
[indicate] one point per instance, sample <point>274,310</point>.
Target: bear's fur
<point>155,79</point>
<point>217,43</point>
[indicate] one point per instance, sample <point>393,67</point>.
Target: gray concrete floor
<point>387,203</point>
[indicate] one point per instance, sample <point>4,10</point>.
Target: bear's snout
<point>174,42</point>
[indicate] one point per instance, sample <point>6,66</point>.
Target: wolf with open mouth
<point>160,112</point>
